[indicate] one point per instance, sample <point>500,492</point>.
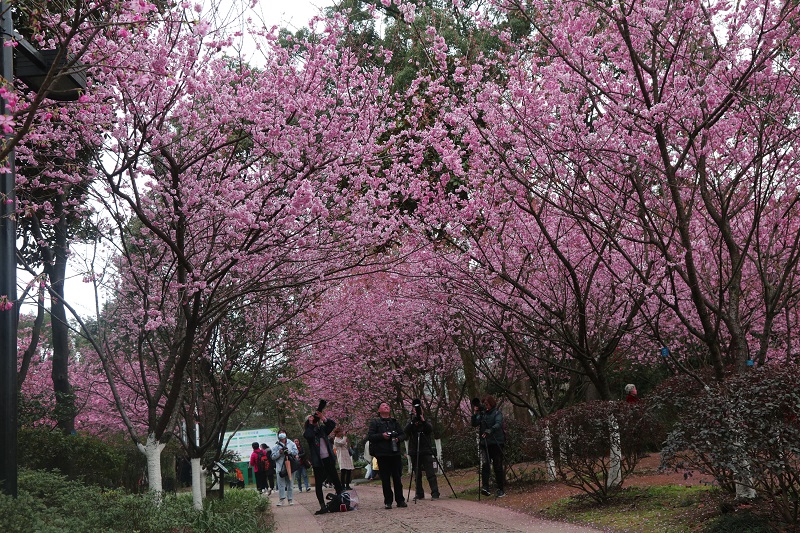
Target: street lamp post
<point>67,86</point>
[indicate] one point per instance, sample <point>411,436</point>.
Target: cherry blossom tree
<point>228,184</point>
<point>641,127</point>
<point>385,336</point>
<point>690,141</point>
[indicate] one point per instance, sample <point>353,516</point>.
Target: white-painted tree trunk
<point>438,465</point>
<point>615,461</point>
<point>744,477</point>
<point>198,483</point>
<point>152,451</point>
<point>550,458</point>
<point>743,473</point>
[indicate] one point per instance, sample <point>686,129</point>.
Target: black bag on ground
<point>339,502</point>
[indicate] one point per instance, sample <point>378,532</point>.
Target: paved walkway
<point>444,515</point>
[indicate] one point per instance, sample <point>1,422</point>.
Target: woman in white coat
<point>341,447</point>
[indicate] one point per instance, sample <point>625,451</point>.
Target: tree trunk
<point>65,401</point>
<point>198,481</point>
<point>152,450</point>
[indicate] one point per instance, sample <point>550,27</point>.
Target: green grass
<point>655,509</point>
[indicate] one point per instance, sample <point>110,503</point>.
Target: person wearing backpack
<point>258,469</point>
<point>488,418</point>
<point>269,473</point>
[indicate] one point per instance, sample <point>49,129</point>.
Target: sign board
<point>241,442</point>
<point>664,352</point>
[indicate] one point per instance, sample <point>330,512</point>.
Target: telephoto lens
<point>417,406</point>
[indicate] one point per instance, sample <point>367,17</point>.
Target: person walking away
<point>418,431</point>
<point>302,472</point>
<point>258,469</point>
<point>317,429</point>
<point>269,475</point>
<point>282,454</point>
<point>385,436</point>
<point>341,447</point>
<point>488,418</point>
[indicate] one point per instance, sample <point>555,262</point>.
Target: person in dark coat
<point>305,464</point>
<point>269,474</point>
<point>418,432</point>
<point>320,451</point>
<point>489,420</point>
<point>385,436</point>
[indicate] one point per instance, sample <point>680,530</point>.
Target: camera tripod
<point>416,471</point>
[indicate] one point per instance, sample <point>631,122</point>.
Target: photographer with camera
<point>317,429</point>
<point>489,420</point>
<point>384,436</point>
<point>284,455</point>
<point>418,431</point>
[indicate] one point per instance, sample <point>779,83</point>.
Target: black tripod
<point>416,471</point>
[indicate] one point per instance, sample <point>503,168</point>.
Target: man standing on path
<point>317,429</point>
<point>488,418</point>
<point>385,435</point>
<point>418,432</point>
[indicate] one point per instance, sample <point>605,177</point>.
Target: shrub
<point>110,463</point>
<point>750,423</point>
<point>460,448</point>
<point>582,439</point>
<point>50,503</point>
<point>743,522</point>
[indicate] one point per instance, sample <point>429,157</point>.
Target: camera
<point>393,440</point>
<point>320,408</point>
<point>417,406</point>
<point>416,416</point>
<point>476,402</point>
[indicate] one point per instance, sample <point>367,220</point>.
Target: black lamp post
<point>34,68</point>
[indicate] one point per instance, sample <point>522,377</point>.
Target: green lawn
<point>658,509</point>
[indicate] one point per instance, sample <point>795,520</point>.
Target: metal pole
<point>8,285</point>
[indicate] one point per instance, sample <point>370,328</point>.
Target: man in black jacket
<point>489,420</point>
<point>317,429</point>
<point>418,432</point>
<point>385,436</point>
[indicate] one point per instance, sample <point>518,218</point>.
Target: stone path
<point>445,515</point>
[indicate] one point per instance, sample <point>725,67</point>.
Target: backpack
<point>263,461</point>
<point>341,502</point>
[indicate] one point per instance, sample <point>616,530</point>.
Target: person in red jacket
<point>258,470</point>
<point>632,395</point>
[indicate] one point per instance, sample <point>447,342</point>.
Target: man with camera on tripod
<point>418,432</point>
<point>385,436</point>
<point>489,421</point>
